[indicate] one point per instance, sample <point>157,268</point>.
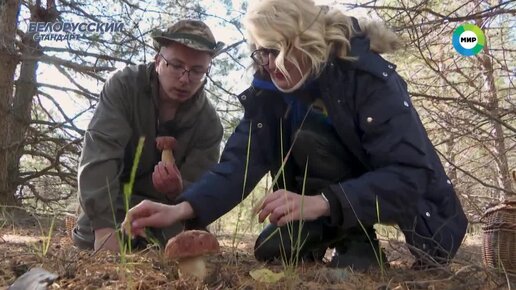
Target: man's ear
<point>157,59</point>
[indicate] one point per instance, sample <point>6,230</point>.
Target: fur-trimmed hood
<point>381,39</point>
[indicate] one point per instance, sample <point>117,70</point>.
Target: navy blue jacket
<point>371,111</point>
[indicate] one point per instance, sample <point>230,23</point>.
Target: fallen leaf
<point>266,275</point>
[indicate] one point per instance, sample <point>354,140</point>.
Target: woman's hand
<point>154,214</point>
<point>283,206</point>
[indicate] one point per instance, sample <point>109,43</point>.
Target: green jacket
<point>128,109</point>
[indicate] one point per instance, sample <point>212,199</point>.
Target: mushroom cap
<point>165,142</point>
<point>192,243</point>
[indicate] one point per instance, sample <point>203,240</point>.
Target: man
<point>163,98</point>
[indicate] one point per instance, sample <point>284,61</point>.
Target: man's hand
<point>167,179</point>
<point>105,239</point>
<point>154,214</point>
<point>283,206</point>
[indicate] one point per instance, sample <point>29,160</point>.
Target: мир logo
<point>468,39</point>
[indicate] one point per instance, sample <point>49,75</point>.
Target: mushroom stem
<point>192,266</point>
<point>167,156</point>
<point>166,144</point>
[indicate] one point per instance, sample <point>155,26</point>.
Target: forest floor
<point>25,244</point>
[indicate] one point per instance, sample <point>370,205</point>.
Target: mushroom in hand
<point>189,248</point>
<point>166,144</point>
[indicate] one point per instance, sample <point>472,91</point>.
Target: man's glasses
<point>178,70</point>
<point>261,56</point>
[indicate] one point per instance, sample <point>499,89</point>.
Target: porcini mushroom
<point>166,144</point>
<point>189,248</point>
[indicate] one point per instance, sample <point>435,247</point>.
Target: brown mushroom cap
<point>165,142</point>
<point>192,243</point>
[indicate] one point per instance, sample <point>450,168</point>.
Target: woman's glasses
<point>261,56</point>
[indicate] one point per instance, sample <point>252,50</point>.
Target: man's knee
<point>82,234</point>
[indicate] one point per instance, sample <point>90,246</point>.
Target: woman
<point>333,122</point>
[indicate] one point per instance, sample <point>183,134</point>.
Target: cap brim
<point>160,40</point>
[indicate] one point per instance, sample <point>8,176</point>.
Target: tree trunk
<point>9,11</point>
<point>499,146</point>
<point>502,164</point>
<point>25,91</point>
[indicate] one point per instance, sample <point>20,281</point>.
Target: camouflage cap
<point>192,33</point>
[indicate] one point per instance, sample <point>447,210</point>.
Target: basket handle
<point>506,204</point>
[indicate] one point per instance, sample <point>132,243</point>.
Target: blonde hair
<point>289,25</point>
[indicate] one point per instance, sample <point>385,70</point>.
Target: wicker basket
<point>499,245</point>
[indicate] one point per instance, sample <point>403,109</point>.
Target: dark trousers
<point>328,162</point>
